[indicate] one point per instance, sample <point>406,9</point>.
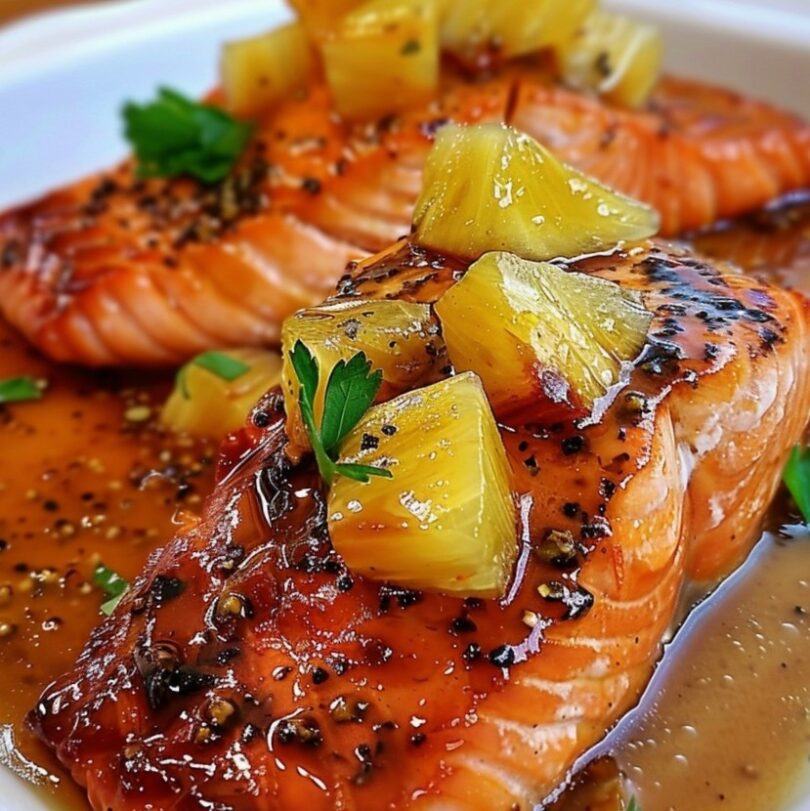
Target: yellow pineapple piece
<point>216,391</point>
<point>546,343</point>
<point>383,57</point>
<point>260,71</point>
<point>322,16</point>
<point>398,337</point>
<point>491,188</point>
<point>617,57</point>
<point>477,30</point>
<point>446,520</point>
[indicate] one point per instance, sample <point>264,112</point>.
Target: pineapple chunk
<point>617,57</point>
<point>322,16</point>
<point>398,337</point>
<point>546,343</point>
<point>446,521</point>
<point>491,188</point>
<point>260,71</point>
<point>216,391</point>
<point>383,57</point>
<point>478,29</point>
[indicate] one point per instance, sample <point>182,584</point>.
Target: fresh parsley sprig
<point>19,390</point>
<point>223,366</point>
<point>797,479</point>
<point>350,392</point>
<point>113,585</point>
<point>174,135</point>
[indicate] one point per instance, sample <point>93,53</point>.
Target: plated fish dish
<point>418,421</point>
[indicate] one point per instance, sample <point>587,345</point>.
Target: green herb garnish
<point>350,392</point>
<point>797,479</point>
<point>19,389</point>
<point>633,805</point>
<point>219,364</point>
<point>113,585</point>
<point>174,136</point>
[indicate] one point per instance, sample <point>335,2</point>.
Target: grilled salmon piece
<point>113,270</point>
<point>248,670</point>
<point>698,153</point>
<point>773,244</point>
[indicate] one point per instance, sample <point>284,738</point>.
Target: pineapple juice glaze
<point>725,719</point>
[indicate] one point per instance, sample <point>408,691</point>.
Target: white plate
<point>64,76</point>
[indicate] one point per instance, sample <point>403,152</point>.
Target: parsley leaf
<point>113,585</point>
<point>222,365</point>
<point>306,370</point>
<point>633,805</point>
<point>19,389</point>
<point>349,394</point>
<point>350,391</point>
<point>797,479</point>
<point>362,473</point>
<point>175,135</point>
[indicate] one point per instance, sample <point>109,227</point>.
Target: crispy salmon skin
<point>113,270</point>
<point>247,669</point>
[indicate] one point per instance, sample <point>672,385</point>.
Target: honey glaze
<point>85,477</point>
<point>115,443</point>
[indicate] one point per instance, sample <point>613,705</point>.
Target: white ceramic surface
<point>63,77</point>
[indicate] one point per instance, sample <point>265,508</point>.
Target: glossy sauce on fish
<point>85,477</point>
<point>159,505</point>
<point>276,677</point>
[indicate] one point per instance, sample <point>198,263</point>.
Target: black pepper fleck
<point>571,509</point>
<point>573,444</point>
<point>503,656</point>
<point>471,652</point>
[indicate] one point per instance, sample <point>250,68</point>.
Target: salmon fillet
<point>773,244</point>
<point>247,669</point>
<point>112,270</point>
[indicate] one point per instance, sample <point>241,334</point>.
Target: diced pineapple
<point>322,16</point>
<point>618,57</point>
<point>383,57</point>
<point>477,30</point>
<point>398,337</point>
<point>216,391</point>
<point>491,188</point>
<point>260,71</point>
<point>446,521</point>
<point>547,343</point>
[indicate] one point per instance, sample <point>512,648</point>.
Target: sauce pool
<point>86,477</point>
<point>724,724</point>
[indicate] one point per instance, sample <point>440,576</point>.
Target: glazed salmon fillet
<point>247,669</point>
<point>113,270</point>
<point>773,244</point>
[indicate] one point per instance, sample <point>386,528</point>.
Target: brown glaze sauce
<point>725,723</point>
<point>85,477</point>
